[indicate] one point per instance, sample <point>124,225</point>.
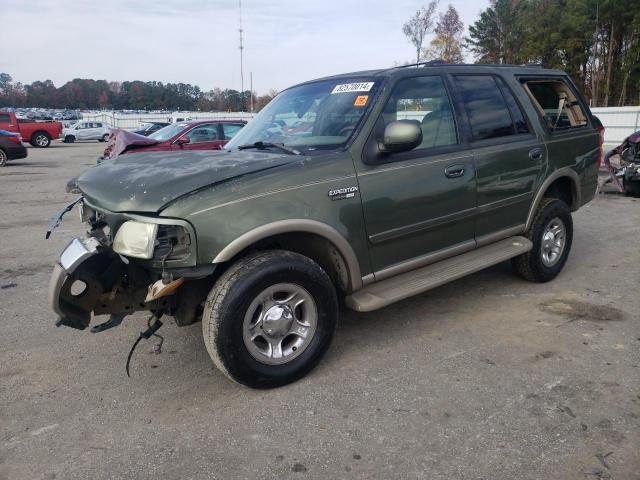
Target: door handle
<point>535,154</point>
<point>454,171</point>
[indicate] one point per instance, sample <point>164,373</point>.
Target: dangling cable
<point>151,331</point>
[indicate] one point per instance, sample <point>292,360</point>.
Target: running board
<point>385,292</point>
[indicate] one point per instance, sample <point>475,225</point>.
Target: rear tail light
<point>600,129</point>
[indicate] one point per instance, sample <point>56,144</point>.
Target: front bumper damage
<point>90,278</point>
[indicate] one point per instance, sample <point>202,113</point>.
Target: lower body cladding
<point>90,278</point>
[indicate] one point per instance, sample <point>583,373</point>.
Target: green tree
<point>496,37</point>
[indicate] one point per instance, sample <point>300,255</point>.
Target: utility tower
<point>241,64</point>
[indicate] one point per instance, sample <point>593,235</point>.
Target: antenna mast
<point>241,64</point>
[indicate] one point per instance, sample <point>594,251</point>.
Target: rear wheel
<point>270,318</point>
<point>104,138</point>
<point>3,158</point>
<point>40,140</point>
<point>551,233</point>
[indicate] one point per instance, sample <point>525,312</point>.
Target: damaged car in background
<point>371,187</point>
<point>195,135</point>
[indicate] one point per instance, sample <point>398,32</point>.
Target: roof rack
<point>430,63</point>
<point>440,62</point>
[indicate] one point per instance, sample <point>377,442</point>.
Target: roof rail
<point>439,62</point>
<point>430,63</point>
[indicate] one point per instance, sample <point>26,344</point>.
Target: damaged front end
<point>143,265</point>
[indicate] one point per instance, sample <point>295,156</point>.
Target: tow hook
<point>147,334</point>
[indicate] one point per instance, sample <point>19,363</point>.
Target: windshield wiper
<point>265,145</point>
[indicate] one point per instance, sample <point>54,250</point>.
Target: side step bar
<point>385,292</point>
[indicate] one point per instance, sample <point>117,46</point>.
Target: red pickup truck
<point>38,134</point>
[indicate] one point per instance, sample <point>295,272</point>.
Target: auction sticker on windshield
<point>361,101</point>
<point>353,87</point>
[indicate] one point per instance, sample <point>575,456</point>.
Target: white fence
<point>619,122</point>
<point>133,121</point>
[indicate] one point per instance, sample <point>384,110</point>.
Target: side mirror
<point>183,141</point>
<point>400,136</point>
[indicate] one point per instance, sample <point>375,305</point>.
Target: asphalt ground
<point>489,377</point>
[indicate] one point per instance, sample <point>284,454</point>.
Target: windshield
<point>168,132</point>
<point>313,116</point>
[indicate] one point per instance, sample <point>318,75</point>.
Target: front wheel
<point>551,233</point>
<point>40,140</point>
<point>270,318</point>
<point>104,137</point>
<point>3,158</point>
<point>69,139</point>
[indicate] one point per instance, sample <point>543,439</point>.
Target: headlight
<point>136,239</point>
<point>172,243</point>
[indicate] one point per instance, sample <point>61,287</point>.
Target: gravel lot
<point>489,377</point>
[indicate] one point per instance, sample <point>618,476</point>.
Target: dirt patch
<point>573,309</point>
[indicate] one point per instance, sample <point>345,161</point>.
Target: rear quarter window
<point>556,103</point>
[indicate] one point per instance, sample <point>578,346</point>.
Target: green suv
<point>367,187</point>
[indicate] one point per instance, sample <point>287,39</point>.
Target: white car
<point>86,131</point>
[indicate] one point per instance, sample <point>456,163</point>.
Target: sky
<point>196,41</point>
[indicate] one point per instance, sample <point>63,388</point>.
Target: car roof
<point>437,66</point>
<point>192,123</point>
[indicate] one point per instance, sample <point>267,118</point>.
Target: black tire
<point>530,265</point>
<point>3,158</point>
<point>69,139</point>
<point>230,299</point>
<point>104,138</point>
<point>40,140</point>
<point>631,188</point>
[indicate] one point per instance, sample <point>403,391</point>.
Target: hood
<point>146,182</point>
<point>122,140</point>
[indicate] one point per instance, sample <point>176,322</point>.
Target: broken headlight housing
<point>160,242</point>
<point>172,243</point>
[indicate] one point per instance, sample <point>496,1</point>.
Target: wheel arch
<point>311,238</point>
<point>44,132</point>
<point>564,184</point>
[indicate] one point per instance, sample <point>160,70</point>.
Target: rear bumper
<point>16,152</point>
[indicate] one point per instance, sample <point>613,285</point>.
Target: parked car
<point>150,128</point>
<point>38,134</point>
<point>11,147</point>
<point>68,124</point>
<point>86,131</point>
<point>371,186</point>
<point>196,135</point>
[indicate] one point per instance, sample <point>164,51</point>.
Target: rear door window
<point>516,112</point>
<point>230,129</point>
<point>557,104</point>
<point>487,110</point>
<point>5,118</point>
